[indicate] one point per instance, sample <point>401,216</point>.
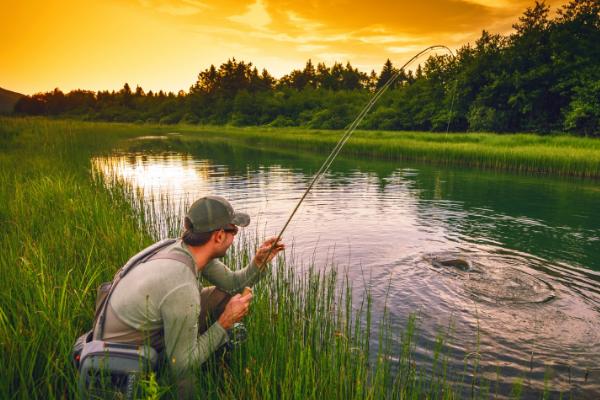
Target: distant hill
<point>8,100</point>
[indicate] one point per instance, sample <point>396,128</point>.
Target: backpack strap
<point>143,256</point>
<point>151,252</point>
<point>182,258</point>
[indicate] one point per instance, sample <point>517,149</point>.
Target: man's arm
<point>235,281</point>
<point>186,349</point>
<point>180,309</point>
<point>230,281</point>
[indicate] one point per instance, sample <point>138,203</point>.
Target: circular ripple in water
<point>493,279</point>
<point>507,285</point>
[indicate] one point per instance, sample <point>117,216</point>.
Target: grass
<point>562,155</point>
<point>64,233</point>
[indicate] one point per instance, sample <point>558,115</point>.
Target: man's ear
<point>218,236</point>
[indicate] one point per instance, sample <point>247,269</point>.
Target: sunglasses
<point>231,229</point>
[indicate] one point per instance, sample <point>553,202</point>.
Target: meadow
<point>64,233</point>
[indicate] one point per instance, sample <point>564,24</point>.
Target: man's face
<point>225,240</point>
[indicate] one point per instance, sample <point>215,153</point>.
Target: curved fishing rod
<point>349,131</point>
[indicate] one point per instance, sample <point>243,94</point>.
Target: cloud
<point>405,49</point>
<point>256,16</point>
<point>492,4</point>
<point>302,23</point>
<point>181,10</point>
<point>386,39</point>
<point>334,57</point>
<point>175,7</point>
<point>310,47</point>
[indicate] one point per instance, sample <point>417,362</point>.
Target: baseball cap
<point>214,212</point>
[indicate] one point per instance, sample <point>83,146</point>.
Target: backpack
<point>107,369</point>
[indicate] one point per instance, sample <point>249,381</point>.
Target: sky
<point>164,44</point>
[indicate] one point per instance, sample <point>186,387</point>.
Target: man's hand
<point>260,259</point>
<point>235,310</point>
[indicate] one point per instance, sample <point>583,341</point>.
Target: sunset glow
<point>164,44</point>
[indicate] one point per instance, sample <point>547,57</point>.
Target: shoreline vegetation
<point>561,155</point>
<point>65,232</point>
<point>552,155</point>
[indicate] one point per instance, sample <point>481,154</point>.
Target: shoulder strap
<point>133,262</point>
<point>143,256</point>
<point>182,258</point>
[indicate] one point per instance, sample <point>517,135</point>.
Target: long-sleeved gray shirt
<point>159,302</point>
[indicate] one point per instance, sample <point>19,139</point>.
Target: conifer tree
<point>386,74</point>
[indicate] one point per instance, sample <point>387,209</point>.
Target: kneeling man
<point>161,301</point>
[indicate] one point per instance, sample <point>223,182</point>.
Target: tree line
<point>544,77</point>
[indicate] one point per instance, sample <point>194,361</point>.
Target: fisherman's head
<point>211,220</point>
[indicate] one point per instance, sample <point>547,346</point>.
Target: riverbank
<point>560,155</point>
<point>65,233</point>
<point>554,155</point>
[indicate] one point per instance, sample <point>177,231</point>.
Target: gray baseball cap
<point>214,212</point>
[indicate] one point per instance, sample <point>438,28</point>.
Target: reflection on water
<point>513,258</point>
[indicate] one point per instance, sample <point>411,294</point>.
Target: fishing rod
<point>349,131</point>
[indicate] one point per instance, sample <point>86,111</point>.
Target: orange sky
<point>164,44</point>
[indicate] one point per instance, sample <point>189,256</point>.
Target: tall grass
<point>553,154</point>
<point>64,232</point>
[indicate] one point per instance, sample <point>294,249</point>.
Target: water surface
<point>523,295</point>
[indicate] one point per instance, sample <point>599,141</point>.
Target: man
<point>162,303</point>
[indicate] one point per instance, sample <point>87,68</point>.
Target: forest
<point>544,77</point>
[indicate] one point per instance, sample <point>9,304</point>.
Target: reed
<point>64,232</point>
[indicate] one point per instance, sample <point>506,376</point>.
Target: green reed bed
<point>64,232</point>
<point>552,154</point>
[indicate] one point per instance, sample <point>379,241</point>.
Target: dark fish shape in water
<point>452,261</point>
<point>495,280</point>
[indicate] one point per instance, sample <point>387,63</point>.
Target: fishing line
<point>350,130</point>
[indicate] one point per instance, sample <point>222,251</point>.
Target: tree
<point>310,74</point>
<point>352,79</point>
<point>373,79</point>
<point>55,102</point>
<point>207,81</point>
<point>295,80</point>
<point>574,39</point>
<point>267,81</point>
<point>337,76</point>
<point>31,105</point>
<point>323,77</point>
<point>139,92</point>
<point>419,72</point>
<point>387,72</point>
<point>533,20</point>
<point>125,95</point>
<point>301,79</point>
<point>529,57</point>
<point>583,113</point>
